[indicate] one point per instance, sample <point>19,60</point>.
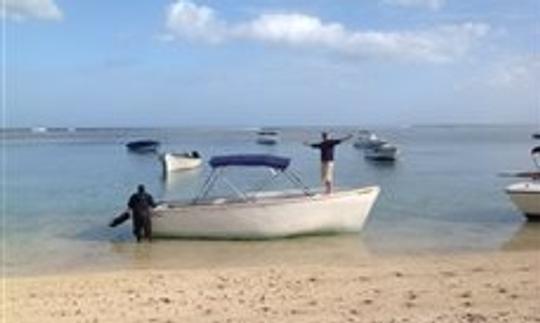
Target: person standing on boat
<point>327,146</point>
<point>140,204</point>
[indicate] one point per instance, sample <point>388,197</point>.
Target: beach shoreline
<point>498,286</point>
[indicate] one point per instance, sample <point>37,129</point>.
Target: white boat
<point>385,152</point>
<point>263,215</point>
<point>176,162</point>
<point>526,195</point>
<point>267,137</point>
<point>367,139</point>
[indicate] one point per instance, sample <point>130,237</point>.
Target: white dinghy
<point>176,162</point>
<point>263,215</point>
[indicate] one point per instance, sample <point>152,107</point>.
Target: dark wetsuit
<point>327,149</point>
<point>140,205</point>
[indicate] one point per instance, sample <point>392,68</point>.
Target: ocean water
<point>62,187</point>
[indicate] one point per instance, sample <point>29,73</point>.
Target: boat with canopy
<point>259,214</point>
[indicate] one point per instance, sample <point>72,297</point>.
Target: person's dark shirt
<point>327,149</point>
<point>140,203</point>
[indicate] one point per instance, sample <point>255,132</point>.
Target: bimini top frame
<point>277,166</point>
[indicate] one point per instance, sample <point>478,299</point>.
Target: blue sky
<point>275,62</point>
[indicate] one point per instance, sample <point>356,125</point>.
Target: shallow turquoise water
<point>443,195</point>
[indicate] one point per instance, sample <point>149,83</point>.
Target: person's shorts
<point>327,171</point>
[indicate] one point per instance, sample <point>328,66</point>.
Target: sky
<point>270,62</point>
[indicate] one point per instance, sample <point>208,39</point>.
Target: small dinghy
<point>183,161</point>
<point>263,215</point>
<point>143,146</point>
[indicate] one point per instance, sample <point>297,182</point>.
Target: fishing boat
<point>384,152</point>
<point>526,195</point>
<point>143,146</point>
<point>267,137</point>
<point>263,215</point>
<point>180,161</point>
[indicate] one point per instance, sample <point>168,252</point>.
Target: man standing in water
<point>140,204</point>
<point>327,158</point>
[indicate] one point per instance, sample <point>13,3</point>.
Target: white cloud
<point>517,72</point>
<point>429,4</point>
<point>20,10</point>
<point>186,20</point>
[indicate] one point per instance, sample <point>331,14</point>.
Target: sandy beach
<point>486,287</point>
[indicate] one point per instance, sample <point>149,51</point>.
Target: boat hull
<point>526,196</point>
<point>267,218</point>
<point>177,162</point>
<point>382,153</point>
<point>143,146</point>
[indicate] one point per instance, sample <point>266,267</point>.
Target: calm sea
<point>63,186</point>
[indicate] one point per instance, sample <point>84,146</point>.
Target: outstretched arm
<point>347,137</point>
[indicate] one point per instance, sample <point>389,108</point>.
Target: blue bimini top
<point>251,160</point>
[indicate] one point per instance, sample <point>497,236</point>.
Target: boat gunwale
<point>268,200</point>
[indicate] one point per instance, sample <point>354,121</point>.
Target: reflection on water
<point>527,237</point>
<point>340,249</point>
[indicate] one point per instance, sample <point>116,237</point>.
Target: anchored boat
<point>143,146</point>
<point>267,137</point>
<point>262,215</point>
<point>526,195</point>
<point>183,161</point>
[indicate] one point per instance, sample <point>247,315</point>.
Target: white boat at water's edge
<point>526,195</point>
<point>272,217</point>
<point>263,215</point>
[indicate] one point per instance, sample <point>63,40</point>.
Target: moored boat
<point>267,137</point>
<point>385,152</point>
<point>143,146</point>
<point>183,161</point>
<point>263,215</point>
<point>367,139</point>
<point>526,195</point>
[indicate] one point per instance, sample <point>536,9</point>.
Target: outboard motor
<point>195,154</point>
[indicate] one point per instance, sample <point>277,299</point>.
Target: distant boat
<point>183,161</point>
<point>384,152</point>
<point>39,129</point>
<point>526,195</point>
<point>267,137</point>
<point>143,146</point>
<point>367,139</point>
<point>536,135</point>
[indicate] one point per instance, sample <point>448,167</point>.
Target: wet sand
<point>481,287</point>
